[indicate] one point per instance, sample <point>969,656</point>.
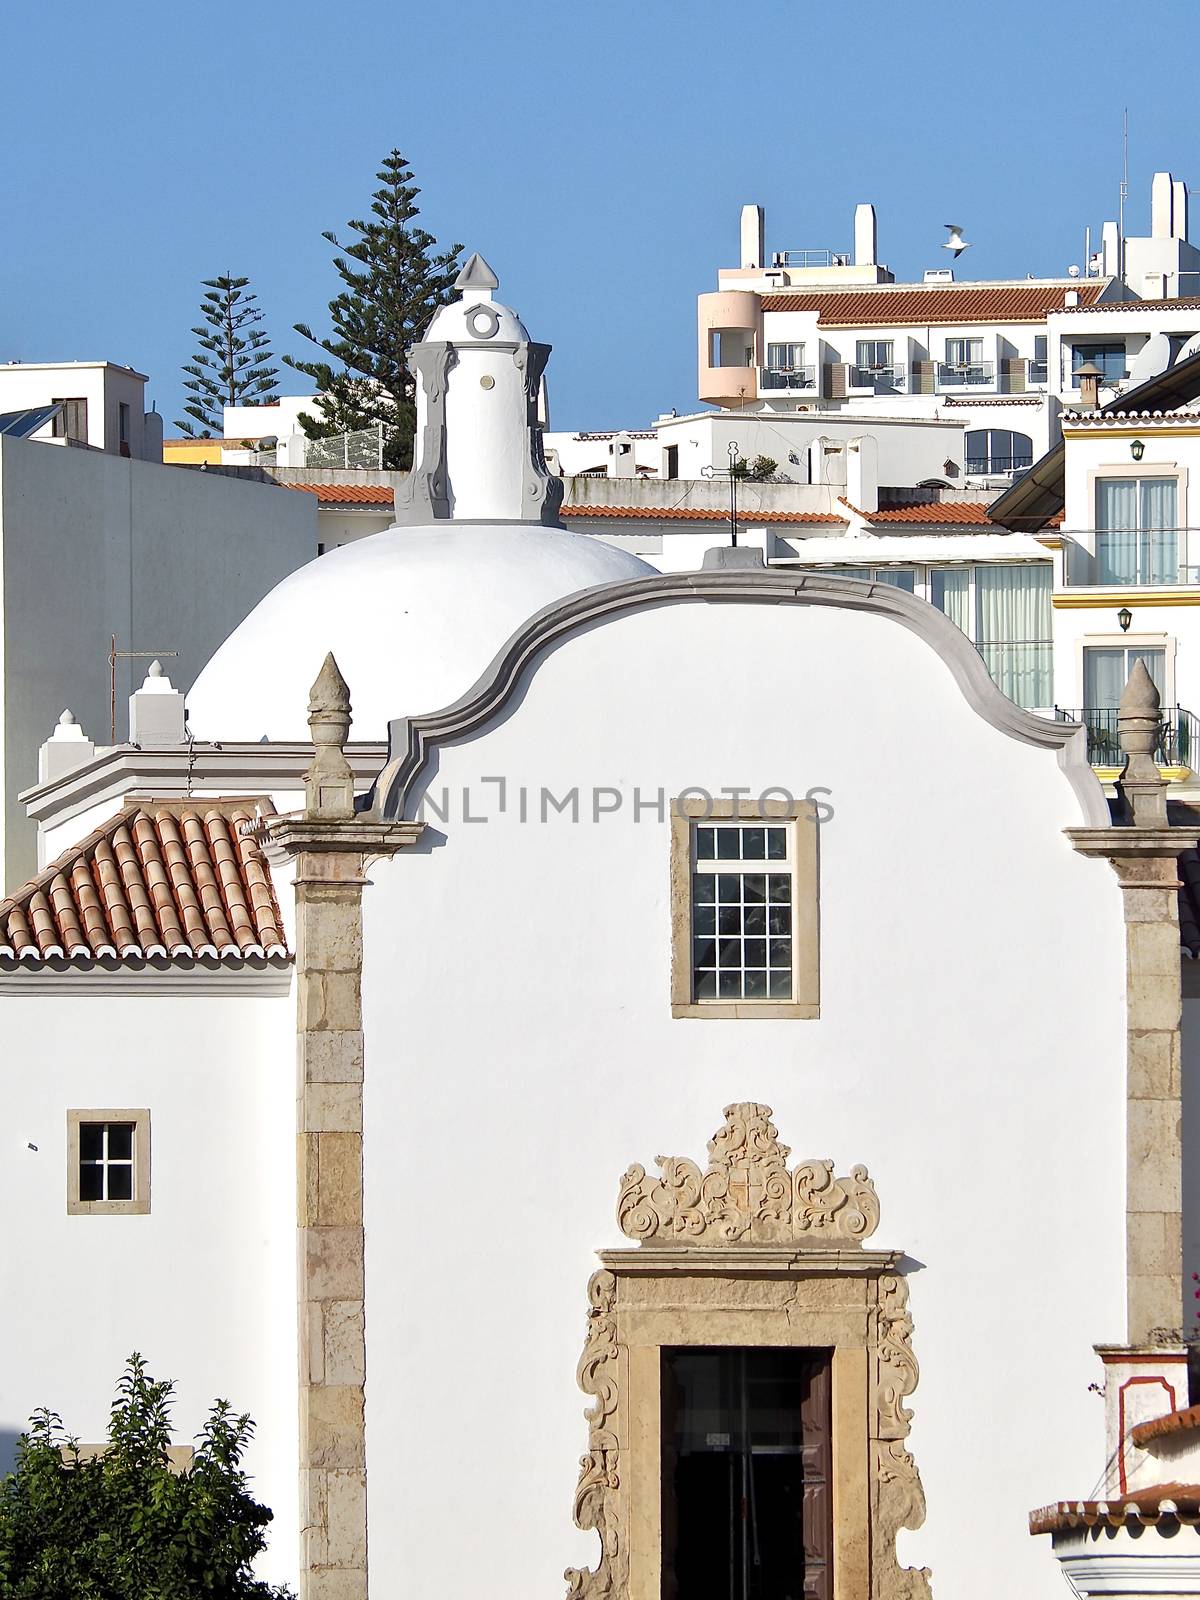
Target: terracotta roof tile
<point>967,302</point>
<point>1186,303</point>
<point>1185,1421</point>
<point>954,513</point>
<point>347,494</point>
<point>171,881</point>
<point>1165,1500</point>
<point>700,514</point>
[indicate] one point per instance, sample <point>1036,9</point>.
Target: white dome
<point>413,615</point>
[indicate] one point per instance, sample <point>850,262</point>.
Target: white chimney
<point>1162,203</point>
<point>67,747</point>
<point>862,472</point>
<point>753,236</point>
<point>865,238</point>
<point>1110,250</point>
<point>1179,210</point>
<point>156,711</point>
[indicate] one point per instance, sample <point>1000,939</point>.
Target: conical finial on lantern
<point>329,782</point>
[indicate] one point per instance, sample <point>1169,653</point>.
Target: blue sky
<point>597,154</point>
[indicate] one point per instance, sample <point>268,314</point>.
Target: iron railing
<point>787,378</point>
<point>966,374</point>
<point>1179,735</point>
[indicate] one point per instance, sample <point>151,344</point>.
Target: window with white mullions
<point>742,912</point>
<point>106,1161</point>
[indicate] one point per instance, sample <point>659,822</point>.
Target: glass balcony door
<point>1137,537</point>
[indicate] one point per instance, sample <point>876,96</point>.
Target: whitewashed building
<point>619,815</point>
<point>97,405</point>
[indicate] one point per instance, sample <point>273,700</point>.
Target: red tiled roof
<point>1159,1427</point>
<point>1165,1500</point>
<point>158,882</point>
<point>955,513</point>
<point>968,302</point>
<point>347,494</point>
<point>700,514</point>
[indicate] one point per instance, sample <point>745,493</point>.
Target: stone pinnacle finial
<point>477,275</point>
<point>329,782</point>
<point>1139,732</point>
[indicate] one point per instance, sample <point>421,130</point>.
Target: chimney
<point>753,232</point>
<point>1088,377</point>
<point>1179,210</point>
<point>156,713</point>
<point>862,473</point>
<point>1110,250</point>
<point>1162,204</point>
<point>865,241</point>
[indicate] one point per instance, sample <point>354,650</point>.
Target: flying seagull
<point>955,242</point>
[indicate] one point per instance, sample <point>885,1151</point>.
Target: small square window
<point>744,891</point>
<point>108,1162</point>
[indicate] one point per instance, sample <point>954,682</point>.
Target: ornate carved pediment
<point>747,1194</point>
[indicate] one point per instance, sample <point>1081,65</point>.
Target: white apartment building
<point>96,404</point>
<point>819,331</point>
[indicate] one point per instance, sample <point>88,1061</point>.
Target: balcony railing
<point>880,380</point>
<point>990,466</point>
<point>966,374</point>
<point>1134,558</point>
<point>787,378</point>
<point>1178,744</point>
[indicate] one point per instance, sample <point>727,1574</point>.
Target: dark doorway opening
<point>746,1498</point>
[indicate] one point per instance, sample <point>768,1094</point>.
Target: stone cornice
<point>293,834</point>
<point>413,738</point>
<point>1126,843</point>
<point>759,1260</point>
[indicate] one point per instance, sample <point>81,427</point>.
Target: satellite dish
<point>1153,358</point>
<point>1073,271</point>
<point>1190,348</point>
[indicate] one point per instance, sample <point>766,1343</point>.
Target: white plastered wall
<point>521,1054</point>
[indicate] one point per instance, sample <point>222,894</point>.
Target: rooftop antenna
<point>1122,196</point>
<point>115,655</point>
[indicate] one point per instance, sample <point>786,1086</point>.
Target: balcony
<point>771,378</point>
<point>878,380</point>
<point>1178,745</point>
<point>966,374</point>
<point>1135,558</point>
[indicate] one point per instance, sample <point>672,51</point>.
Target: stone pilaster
<point>331,848</point>
<point>1144,854</point>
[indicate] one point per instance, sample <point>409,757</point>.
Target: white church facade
<point>405,1091</point>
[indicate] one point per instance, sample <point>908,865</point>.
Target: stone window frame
<point>139,1205</point>
<point>749,1254</point>
<point>802,820</point>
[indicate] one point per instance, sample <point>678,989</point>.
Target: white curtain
<point>1136,541</point>
<point>1012,630</point>
<point>951,593</point>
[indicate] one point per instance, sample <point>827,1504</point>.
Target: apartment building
<point>825,331</point>
<point>96,405</point>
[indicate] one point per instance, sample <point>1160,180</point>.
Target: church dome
<point>413,615</point>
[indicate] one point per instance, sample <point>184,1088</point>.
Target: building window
<point>744,904</point>
<point>108,1162</point>
<point>873,355</point>
<point>123,418</point>
<point>997,450</point>
<point>964,352</point>
<point>1110,358</point>
<point>1137,530</point>
<point>783,357</point>
<point>71,421</point>
<point>731,347</point>
<point>1039,366</point>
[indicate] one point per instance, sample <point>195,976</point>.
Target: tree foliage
<point>394,282</point>
<point>123,1525</point>
<point>232,366</point>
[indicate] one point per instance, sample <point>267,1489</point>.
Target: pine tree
<point>231,367</point>
<point>394,283</point>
